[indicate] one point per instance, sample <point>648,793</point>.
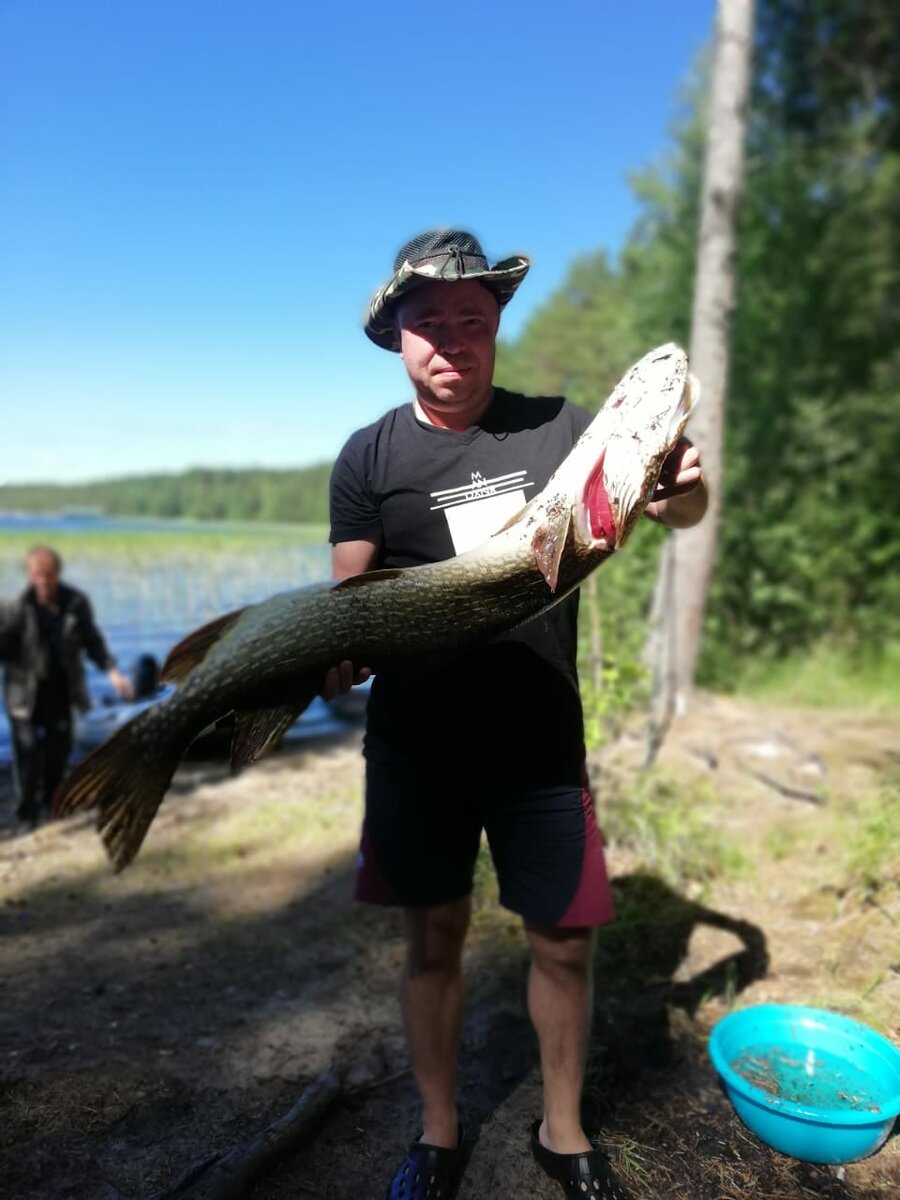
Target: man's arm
<point>96,649</point>
<point>9,630</point>
<point>354,558</point>
<point>349,558</point>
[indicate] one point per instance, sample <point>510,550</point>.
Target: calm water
<point>143,603</point>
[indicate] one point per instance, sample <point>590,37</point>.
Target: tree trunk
<point>686,578</point>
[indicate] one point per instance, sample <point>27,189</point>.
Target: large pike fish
<point>265,663</point>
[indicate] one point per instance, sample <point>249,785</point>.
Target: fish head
<point>627,444</point>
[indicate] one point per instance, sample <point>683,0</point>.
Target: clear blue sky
<point>198,197</point>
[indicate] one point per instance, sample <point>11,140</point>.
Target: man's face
<point>43,576</point>
<point>448,334</point>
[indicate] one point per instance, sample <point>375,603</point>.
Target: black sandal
<point>587,1176</point>
<point>430,1172</point>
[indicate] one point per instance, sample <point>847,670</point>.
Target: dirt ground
<point>154,1018</point>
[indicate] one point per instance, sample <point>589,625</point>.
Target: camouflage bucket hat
<point>444,254</point>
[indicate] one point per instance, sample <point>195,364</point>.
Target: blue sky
<point>197,199</point>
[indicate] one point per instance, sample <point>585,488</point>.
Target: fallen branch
<point>784,789</point>
<point>230,1176</point>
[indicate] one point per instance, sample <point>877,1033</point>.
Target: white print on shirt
<point>478,509</point>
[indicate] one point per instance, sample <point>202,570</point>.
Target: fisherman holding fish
<point>490,738</point>
<point>42,637</point>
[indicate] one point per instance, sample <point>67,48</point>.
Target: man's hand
<point>681,497</point>
<point>342,678</point>
<point>121,683</point>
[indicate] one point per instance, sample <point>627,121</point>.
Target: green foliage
<point>875,846</point>
<point>200,494</point>
<point>622,594</point>
<point>573,345</point>
<point>829,676</point>
<point>671,825</point>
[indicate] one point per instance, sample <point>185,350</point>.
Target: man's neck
<point>460,421</point>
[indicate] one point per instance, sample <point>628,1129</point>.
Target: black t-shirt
<point>428,494</point>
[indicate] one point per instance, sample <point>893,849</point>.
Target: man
<point>492,739</point>
<point>42,636</point>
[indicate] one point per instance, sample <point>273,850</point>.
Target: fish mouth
<point>598,522</point>
<point>614,488</point>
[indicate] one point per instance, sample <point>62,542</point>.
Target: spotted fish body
<point>266,662</point>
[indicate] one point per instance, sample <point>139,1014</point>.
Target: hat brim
<point>502,280</point>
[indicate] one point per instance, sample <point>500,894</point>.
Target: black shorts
<point>422,830</point>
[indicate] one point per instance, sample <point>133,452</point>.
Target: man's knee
<point>560,952</point>
<point>435,936</point>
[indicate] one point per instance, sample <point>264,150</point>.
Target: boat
<point>321,719</point>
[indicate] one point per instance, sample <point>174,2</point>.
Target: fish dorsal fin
<point>192,650</point>
<point>516,517</point>
<point>369,577</point>
<point>255,730</point>
<point>549,542</point>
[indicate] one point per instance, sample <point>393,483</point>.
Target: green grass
<point>189,538</point>
<point>671,823</point>
<point>873,840</point>
<point>829,677</point>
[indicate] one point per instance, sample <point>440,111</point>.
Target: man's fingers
<point>342,678</point>
<point>330,684</point>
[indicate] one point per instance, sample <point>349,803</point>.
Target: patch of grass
<point>189,537</point>
<point>828,677</point>
<point>671,824</point>
<point>874,841</point>
<point>267,829</point>
<point>781,841</point>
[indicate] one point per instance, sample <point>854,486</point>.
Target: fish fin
<point>514,519</point>
<point>192,650</point>
<point>549,542</point>
<point>369,577</point>
<point>127,786</point>
<point>255,730</point>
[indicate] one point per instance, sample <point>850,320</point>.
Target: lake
<point>152,581</point>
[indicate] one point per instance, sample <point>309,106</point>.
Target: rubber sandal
<point>430,1172</point>
<point>587,1176</point>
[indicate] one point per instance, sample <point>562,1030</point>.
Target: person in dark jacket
<point>43,635</point>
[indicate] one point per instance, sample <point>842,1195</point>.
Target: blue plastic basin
<point>811,1083</point>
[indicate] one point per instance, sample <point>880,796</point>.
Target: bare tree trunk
<point>693,550</point>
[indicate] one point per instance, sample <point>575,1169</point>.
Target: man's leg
<point>559,1003</point>
<point>432,1008</point>
<point>26,752</point>
<point>57,749</point>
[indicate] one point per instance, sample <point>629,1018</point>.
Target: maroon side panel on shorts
<point>371,885</point>
<point>592,903</point>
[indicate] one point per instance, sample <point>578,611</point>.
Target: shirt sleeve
<point>92,639</point>
<point>353,508</point>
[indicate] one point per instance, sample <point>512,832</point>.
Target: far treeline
<point>202,493</point>
<point>809,549</point>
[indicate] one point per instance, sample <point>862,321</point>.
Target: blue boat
<point>322,719</point>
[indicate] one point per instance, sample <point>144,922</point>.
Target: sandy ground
<point>154,1018</point>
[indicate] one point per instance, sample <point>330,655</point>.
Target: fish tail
<point>125,780</point>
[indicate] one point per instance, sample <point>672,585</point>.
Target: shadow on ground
<point>142,1032</point>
